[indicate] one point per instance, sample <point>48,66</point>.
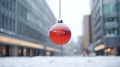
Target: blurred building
<point>91,35</point>
<point>105,17</point>
<point>85,38</point>
<point>90,29</point>
<point>24,27</point>
<point>79,41</point>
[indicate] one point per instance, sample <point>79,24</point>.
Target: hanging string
<point>59,9</point>
<point>60,20</point>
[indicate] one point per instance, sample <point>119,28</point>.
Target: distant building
<point>105,17</point>
<point>85,38</point>
<point>24,27</point>
<point>79,41</point>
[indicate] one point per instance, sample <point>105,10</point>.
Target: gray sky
<point>72,12</point>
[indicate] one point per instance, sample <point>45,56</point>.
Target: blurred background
<point>25,24</point>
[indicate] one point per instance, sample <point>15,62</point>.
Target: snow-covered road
<point>60,61</point>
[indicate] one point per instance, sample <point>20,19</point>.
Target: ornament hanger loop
<point>60,21</point>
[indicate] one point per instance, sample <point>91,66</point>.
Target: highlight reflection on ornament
<point>59,33</point>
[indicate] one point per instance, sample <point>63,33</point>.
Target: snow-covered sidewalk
<point>60,61</point>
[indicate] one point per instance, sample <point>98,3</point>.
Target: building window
<point>2,21</point>
<point>111,31</point>
<point>10,21</point>
<point>9,4</point>
<point>12,4</point>
<point>22,10</point>
<point>110,8</point>
<point>111,19</point>
<point>106,21</point>
<point>106,32</point>
<point>115,31</point>
<point>115,20</point>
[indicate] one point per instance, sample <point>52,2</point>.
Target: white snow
<point>111,61</point>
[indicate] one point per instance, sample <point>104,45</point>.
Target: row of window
<point>111,31</point>
<point>22,10</point>
<point>111,19</point>
<point>25,30</point>
<point>9,4</point>
<point>109,8</point>
<point>12,5</point>
<point>7,23</point>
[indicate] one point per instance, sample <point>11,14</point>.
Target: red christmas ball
<point>60,34</point>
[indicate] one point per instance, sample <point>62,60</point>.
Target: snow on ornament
<point>60,33</point>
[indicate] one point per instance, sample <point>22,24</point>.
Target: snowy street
<point>60,61</point>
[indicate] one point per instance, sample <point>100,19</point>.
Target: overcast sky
<point>72,13</point>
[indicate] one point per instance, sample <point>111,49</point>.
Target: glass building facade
<point>24,27</point>
<point>106,21</point>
